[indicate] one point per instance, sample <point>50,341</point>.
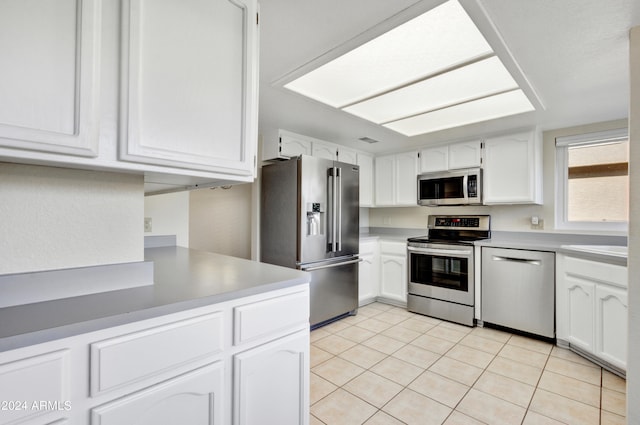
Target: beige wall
<point>633,368</point>
<point>503,217</point>
<point>220,220</point>
<point>55,218</point>
<point>169,215</point>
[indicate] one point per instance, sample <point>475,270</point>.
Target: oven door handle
<point>441,251</point>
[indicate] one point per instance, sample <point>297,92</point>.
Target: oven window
<point>444,272</point>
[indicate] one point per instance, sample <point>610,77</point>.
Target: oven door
<point>444,272</point>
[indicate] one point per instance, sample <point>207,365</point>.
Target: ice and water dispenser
<point>315,219</point>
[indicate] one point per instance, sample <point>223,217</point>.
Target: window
<point>593,181</point>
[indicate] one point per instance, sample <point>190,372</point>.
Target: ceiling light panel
<point>480,79</point>
<point>441,39</point>
<point>498,106</point>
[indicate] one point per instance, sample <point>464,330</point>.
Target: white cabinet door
<point>611,320</point>
<point>365,162</point>
<point>434,159</point>
<point>396,179</point>
<point>385,171</point>
<point>393,271</point>
<point>393,277</point>
<point>271,383</point>
<point>324,150</point>
<point>196,398</point>
<point>368,272</point>
<point>347,155</point>
<point>513,169</point>
<point>579,313</point>
<point>189,84</point>
<point>50,55</point>
<point>465,155</point>
<point>406,184</point>
<point>291,145</point>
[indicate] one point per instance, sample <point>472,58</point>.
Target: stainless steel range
<point>441,267</point>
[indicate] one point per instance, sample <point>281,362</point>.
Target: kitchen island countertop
<point>183,279</point>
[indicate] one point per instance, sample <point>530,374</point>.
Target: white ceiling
<point>574,54</point>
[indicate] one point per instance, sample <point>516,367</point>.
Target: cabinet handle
<point>518,260</point>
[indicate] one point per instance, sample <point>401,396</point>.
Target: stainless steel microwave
<point>456,187</point>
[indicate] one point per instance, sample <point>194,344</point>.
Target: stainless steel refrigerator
<point>310,221</point>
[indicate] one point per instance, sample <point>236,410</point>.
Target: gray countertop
<point>536,241</point>
<point>183,279</point>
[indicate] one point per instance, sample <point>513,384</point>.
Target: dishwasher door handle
<point>518,260</point>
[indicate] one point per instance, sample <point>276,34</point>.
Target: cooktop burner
<point>461,229</point>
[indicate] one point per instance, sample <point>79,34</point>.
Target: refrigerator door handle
<point>327,266</point>
<point>334,208</point>
<point>339,213</point>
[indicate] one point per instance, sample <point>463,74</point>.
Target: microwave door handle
<point>465,188</point>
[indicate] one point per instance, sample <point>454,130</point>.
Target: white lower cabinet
<point>195,398</point>
<point>579,312</point>
<point>611,325</point>
<point>592,308</point>
<point>368,274</point>
<point>233,362</point>
<point>393,271</point>
<point>271,383</point>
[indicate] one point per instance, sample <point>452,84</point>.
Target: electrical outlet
<point>537,223</point>
<point>147,224</point>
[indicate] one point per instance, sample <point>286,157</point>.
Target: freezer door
<point>334,289</point>
<point>329,209</point>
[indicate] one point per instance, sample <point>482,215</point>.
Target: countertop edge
<point>28,324</point>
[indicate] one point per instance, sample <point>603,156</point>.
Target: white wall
<point>169,215</point>
<point>220,220</point>
<point>54,218</point>
<point>633,368</point>
<point>503,217</point>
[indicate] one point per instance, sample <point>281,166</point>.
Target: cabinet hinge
<point>257,19</point>
<point>418,154</point>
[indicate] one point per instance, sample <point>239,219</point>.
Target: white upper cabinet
<point>396,179</point>
<point>434,159</point>
<point>365,162</point>
<point>324,150</point>
<point>188,95</point>
<point>451,157</point>
<point>347,155</point>
<point>465,155</point>
<point>283,144</point>
<point>407,178</point>
<point>49,75</point>
<point>385,170</point>
<point>513,169</point>
<point>290,145</point>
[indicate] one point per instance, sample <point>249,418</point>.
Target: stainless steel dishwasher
<point>518,290</point>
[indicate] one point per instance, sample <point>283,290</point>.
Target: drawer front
<point>398,248</point>
<point>26,384</point>
<point>143,355</point>
<point>262,318</point>
<point>594,270</point>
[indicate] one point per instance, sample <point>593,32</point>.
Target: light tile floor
<point>387,366</point>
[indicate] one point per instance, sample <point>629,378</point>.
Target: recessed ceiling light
<point>418,77</point>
